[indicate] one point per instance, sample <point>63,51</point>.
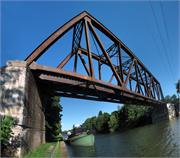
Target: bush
<point>6,136</point>
<point>6,129</point>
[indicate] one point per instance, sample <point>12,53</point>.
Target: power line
<point>162,42</point>
<point>164,21</point>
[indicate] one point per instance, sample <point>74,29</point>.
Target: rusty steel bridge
<point>129,80</point>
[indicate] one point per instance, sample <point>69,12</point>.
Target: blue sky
<point>149,29</point>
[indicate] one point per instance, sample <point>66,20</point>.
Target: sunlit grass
<point>45,150</point>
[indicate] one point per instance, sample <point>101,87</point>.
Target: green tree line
<point>127,117</point>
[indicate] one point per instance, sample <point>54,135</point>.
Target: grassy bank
<point>46,150</point>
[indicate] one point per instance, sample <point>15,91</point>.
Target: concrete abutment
<point>160,113</point>
<point>22,99</point>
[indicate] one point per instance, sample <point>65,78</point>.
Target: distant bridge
<point>129,80</point>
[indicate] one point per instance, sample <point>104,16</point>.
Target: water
<point>156,140</point>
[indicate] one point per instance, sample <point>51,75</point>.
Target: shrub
<point>6,134</point>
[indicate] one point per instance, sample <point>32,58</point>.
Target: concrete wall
<point>21,99</point>
<point>160,112</point>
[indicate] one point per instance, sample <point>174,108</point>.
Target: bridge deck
<point>69,84</point>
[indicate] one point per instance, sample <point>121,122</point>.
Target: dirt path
<point>63,149</point>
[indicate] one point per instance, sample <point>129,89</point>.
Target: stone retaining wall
<point>20,98</point>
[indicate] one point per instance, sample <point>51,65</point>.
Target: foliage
<point>114,121</point>
<point>102,123</point>
<point>9,142</point>
<point>137,115</point>
<point>126,117</point>
<point>171,99</point>
<point>90,123</point>
<point>6,133</point>
<point>100,113</point>
<point>53,119</point>
<point>178,86</point>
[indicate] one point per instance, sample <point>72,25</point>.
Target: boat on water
<point>82,139</point>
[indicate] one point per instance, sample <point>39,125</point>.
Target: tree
<point>171,99</point>
<point>100,113</point>
<point>178,86</point>
<point>167,99</point>
<point>177,105</point>
<point>53,119</point>
<point>114,121</point>
<point>127,117</point>
<point>134,115</point>
<point>102,123</point>
<point>90,124</point>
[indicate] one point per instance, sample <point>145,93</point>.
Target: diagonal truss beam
<point>88,48</point>
<point>64,62</point>
<point>146,83</point>
<point>105,54</point>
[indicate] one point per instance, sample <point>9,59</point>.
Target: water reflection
<point>157,140</point>
<point>79,151</point>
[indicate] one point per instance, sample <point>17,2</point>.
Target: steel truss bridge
<point>127,81</point>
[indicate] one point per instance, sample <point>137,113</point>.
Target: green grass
<point>44,150</point>
<point>57,152</point>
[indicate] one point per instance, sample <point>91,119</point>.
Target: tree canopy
<point>126,117</point>
<point>53,119</point>
<point>178,86</point>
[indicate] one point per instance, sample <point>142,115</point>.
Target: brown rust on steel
<point>49,70</point>
<point>99,69</point>
<point>96,57</point>
<point>130,84</point>
<point>105,53</point>
<point>67,58</point>
<point>88,48</point>
<point>53,38</point>
<point>154,87</point>
<point>84,63</point>
<point>120,62</point>
<point>100,89</point>
<point>137,78</point>
<point>110,80</point>
<point>66,27</point>
<point>109,34</point>
<point>128,75</point>
<point>146,91</point>
<point>75,62</point>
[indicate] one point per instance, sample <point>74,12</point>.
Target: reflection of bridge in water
<point>129,81</point>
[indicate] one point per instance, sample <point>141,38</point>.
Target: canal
<point>156,140</point>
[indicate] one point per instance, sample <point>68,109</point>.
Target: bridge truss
<point>129,80</point>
